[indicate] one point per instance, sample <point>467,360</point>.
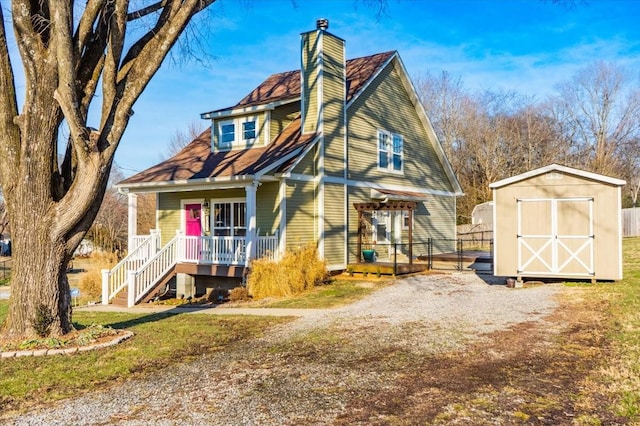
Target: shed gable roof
<point>558,168</point>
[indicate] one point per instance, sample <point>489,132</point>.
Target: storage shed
<point>558,222</point>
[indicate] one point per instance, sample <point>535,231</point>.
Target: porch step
<point>161,288</point>
<point>121,299</point>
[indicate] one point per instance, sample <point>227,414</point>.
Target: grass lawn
<point>621,371</point>
<point>163,339</point>
<point>160,340</point>
<point>338,292</point>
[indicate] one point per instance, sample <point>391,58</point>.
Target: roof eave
<point>221,113</point>
<point>560,168</point>
<point>186,184</point>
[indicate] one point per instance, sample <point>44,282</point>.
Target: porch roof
<point>196,161</point>
<point>394,195</point>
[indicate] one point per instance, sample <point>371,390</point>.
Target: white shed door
<point>555,237</point>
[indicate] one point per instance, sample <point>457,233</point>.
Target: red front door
<point>193,221</point>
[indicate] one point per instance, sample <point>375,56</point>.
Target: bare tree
<point>599,109</point>
<point>181,138</point>
<point>109,229</point>
<point>445,100</point>
<point>69,52</point>
<point>630,168</point>
<point>146,218</point>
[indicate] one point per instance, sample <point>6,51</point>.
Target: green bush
<point>299,270</point>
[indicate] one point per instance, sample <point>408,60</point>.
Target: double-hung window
<point>390,151</point>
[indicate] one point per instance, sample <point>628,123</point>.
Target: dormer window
<point>249,130</point>
<point>238,132</point>
<point>227,133</point>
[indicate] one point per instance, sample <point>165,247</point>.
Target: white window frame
<point>231,227</point>
<point>239,140</point>
<point>388,149</point>
<point>253,120</point>
<point>405,220</point>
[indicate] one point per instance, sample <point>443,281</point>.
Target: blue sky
<point>522,45</point>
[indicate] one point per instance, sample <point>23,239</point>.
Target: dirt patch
<point>533,373</point>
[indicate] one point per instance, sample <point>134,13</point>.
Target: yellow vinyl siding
<point>333,92</point>
<point>168,215</point>
<point>268,208</point>
<point>435,218</point>
<point>281,117</point>
<point>310,74</point>
<point>307,165</point>
<point>301,213</point>
<point>334,223</point>
<point>386,105</point>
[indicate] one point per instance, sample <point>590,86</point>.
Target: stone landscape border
<point>67,351</point>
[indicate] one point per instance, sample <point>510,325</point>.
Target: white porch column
<point>132,227</point>
<point>251,237</point>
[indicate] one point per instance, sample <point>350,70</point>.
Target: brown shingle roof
<point>196,161</point>
<point>286,85</point>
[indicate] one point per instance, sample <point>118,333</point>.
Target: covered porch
<point>149,266</point>
<point>381,228</point>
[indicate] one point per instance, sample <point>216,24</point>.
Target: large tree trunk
<point>39,281</point>
<point>67,50</point>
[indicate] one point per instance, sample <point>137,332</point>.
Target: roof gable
<point>557,168</point>
<point>286,85</point>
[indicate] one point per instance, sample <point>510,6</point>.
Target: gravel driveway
<point>307,371</point>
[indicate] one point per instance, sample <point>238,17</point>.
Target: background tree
<point>109,230</point>
<point>591,123</point>
<point>182,138</point>
<point>599,109</point>
<point>69,52</point>
<point>445,99</point>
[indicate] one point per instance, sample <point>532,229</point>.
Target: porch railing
<point>115,280</point>
<point>214,250</point>
<point>145,265</point>
<point>267,247</point>
<point>150,273</point>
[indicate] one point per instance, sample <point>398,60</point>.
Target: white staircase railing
<point>115,280</point>
<point>145,265</point>
<point>144,279</point>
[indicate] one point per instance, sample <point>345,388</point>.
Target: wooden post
<point>359,246</point>
<point>410,236</point>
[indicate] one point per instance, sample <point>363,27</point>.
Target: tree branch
<point>147,10</point>
<point>67,94</point>
<point>9,148</point>
<point>85,27</point>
